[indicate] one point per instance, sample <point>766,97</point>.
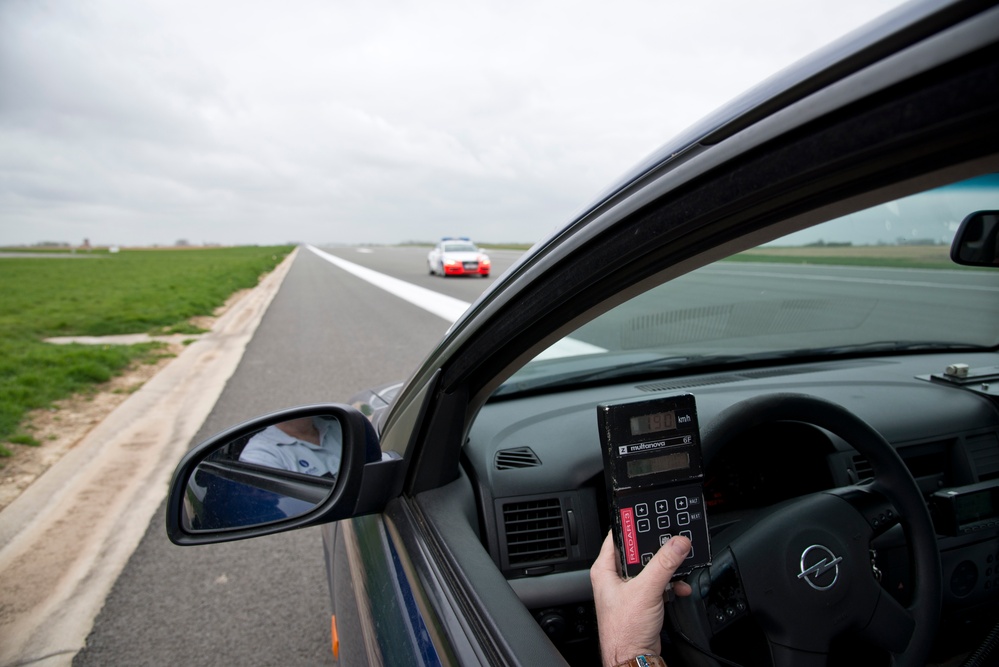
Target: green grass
<point>885,262</point>
<point>899,257</point>
<point>24,439</point>
<point>134,291</point>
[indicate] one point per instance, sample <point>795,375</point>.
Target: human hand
<point>630,612</point>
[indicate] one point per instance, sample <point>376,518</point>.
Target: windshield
<point>876,280</point>
<point>459,247</point>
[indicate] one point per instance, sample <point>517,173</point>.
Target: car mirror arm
<point>380,482</point>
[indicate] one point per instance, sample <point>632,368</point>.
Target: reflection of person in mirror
<point>309,445</point>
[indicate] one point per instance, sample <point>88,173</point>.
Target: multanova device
<point>653,468</point>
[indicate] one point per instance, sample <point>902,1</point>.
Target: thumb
<point>657,574</point>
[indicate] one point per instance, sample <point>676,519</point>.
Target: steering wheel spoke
<point>872,504</point>
<point>717,601</point>
<point>891,626</point>
<point>784,656</point>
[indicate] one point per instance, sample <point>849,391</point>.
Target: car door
<point>906,104</point>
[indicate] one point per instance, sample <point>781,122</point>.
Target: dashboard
<point>536,466</point>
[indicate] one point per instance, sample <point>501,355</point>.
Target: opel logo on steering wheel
<point>819,567</point>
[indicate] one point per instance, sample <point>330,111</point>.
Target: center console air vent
<point>535,531</point>
<point>984,452</point>
<point>928,462</point>
<point>521,457</point>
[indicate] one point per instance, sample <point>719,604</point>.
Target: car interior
<point>866,311</point>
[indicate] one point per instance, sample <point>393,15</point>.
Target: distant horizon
<point>899,242</point>
<point>57,245</point>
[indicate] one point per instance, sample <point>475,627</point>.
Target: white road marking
<point>442,305</point>
<point>439,304</point>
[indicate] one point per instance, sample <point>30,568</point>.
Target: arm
<point>630,613</point>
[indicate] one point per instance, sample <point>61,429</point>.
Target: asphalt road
<point>705,311</point>
<point>326,335</point>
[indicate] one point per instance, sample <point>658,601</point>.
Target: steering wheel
<point>804,570</point>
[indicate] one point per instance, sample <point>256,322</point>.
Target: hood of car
<point>463,256</point>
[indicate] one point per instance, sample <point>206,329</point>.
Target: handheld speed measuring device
<point>653,468</point>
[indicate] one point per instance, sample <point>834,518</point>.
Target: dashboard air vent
<point>984,452</point>
<point>862,467</point>
<point>521,457</point>
<point>535,531</point>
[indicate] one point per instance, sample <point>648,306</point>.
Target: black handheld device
<point>653,469</point>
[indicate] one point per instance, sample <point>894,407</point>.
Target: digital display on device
<point>654,423</point>
<point>962,510</point>
<point>667,463</point>
<point>974,506</point>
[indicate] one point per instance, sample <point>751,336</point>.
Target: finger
<point>665,563</point>
<point>606,561</point>
<point>672,554</point>
<point>682,589</point>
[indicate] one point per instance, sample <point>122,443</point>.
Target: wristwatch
<point>646,660</point>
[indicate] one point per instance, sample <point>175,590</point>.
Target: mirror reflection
<point>309,445</point>
<point>279,471</point>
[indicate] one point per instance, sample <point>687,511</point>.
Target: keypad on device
<point>661,513</point>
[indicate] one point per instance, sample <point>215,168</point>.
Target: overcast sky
<point>139,122</point>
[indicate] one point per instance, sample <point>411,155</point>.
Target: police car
<point>457,256</point>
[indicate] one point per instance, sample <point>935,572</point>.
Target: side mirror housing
<point>290,469</point>
<point>977,240</point>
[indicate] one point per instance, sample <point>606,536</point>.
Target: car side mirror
<point>977,240</point>
<point>295,468</point>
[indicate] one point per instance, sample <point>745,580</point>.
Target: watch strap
<point>645,660</point>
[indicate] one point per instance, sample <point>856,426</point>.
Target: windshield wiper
<point>882,347</point>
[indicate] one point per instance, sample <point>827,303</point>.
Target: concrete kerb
<point>66,538</point>
<point>123,339</point>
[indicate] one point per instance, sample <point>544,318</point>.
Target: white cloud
<point>338,120</point>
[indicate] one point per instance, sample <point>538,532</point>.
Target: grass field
<point>134,291</point>
<point>911,257</point>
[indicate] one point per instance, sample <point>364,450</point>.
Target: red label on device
<point>628,538</point>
